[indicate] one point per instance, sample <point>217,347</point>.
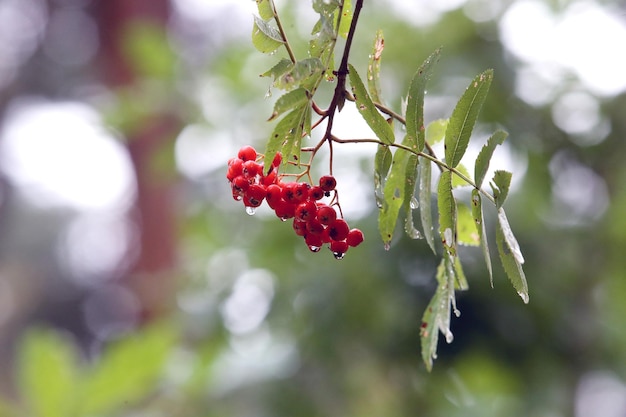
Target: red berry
<point>299,227</point>
<point>306,210</point>
<point>328,182</point>
<point>316,193</point>
<point>326,215</point>
<point>355,237</point>
<point>314,227</point>
<point>278,158</point>
<point>285,210</point>
<point>339,248</point>
<point>338,230</point>
<point>240,184</point>
<point>251,169</point>
<point>247,153</point>
<point>273,195</point>
<point>254,196</point>
<point>314,242</point>
<point>269,179</point>
<point>235,168</point>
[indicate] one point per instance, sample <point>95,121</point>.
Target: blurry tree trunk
<point>153,273</point>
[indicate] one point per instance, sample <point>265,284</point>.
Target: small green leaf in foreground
<point>265,38</point>
<point>484,157</point>
<point>447,212</point>
<point>477,213</point>
<point>415,103</point>
<point>511,256</point>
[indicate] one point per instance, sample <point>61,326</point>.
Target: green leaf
<point>382,163</point>
<point>127,371</point>
<point>437,315</point>
<point>279,69</point>
<point>460,282</point>
<point>410,202</point>
<point>447,212</point>
<point>425,196</point>
<point>325,6</point>
<point>266,10</point>
<point>288,101</point>
<point>346,19</point>
<point>500,186</point>
<point>436,131</point>
<point>265,38</point>
<point>511,256</point>
<point>477,213</point>
<point>48,373</point>
<point>457,181</point>
<point>366,107</point>
<point>415,103</point>
<point>465,226</point>
<point>373,67</point>
<point>484,156</point>
<point>394,190</point>
<point>287,135</point>
<point>464,117</point>
<point>304,73</point>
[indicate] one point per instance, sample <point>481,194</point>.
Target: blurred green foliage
<point>342,337</point>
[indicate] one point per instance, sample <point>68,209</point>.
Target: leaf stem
<point>283,35</point>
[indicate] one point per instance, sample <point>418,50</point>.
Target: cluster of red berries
<point>314,220</point>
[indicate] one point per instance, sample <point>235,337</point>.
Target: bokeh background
<point>131,284</point>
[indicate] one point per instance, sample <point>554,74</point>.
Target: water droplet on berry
<point>414,203</point>
<point>283,219</point>
<point>250,210</point>
<point>314,248</point>
<point>237,197</point>
<point>339,255</point>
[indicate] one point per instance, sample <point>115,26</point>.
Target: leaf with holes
<point>464,117</point>
<point>287,135</point>
<point>373,67</point>
<point>368,111</point>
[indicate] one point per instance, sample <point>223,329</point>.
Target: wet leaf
<point>511,256</point>
<point>382,164</point>
<point>265,38</point>
<point>466,228</point>
<point>464,117</point>
<point>425,197</point>
<point>415,103</point>
<point>279,69</point>
<point>288,101</point>
<point>393,200</point>
<point>265,9</point>
<point>447,212</point>
<point>477,214</point>
<point>500,185</point>
<point>368,111</point>
<point>373,67</point>
<point>287,135</point>
<point>409,196</point>
<point>346,19</point>
<point>304,73</point>
<point>484,156</point>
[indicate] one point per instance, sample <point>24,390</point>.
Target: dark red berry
<point>316,193</point>
<point>240,184</point>
<point>273,195</point>
<point>306,210</point>
<point>338,230</point>
<point>299,227</point>
<point>328,182</point>
<point>251,169</point>
<point>285,210</point>
<point>314,242</point>
<point>235,168</point>
<point>313,226</point>
<point>247,153</point>
<point>355,237</point>
<point>254,196</point>
<point>326,215</point>
<point>338,248</point>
